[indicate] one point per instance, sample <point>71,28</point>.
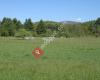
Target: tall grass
<point>64,59</point>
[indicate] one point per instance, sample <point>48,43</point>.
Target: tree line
<point>15,28</point>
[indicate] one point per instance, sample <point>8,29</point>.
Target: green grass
<point>64,59</point>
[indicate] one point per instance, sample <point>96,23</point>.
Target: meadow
<point>64,59</point>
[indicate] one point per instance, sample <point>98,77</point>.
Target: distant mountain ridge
<point>70,22</point>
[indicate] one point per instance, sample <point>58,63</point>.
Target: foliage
<point>10,27</point>
<point>28,24</point>
<point>23,33</point>
<point>41,29</point>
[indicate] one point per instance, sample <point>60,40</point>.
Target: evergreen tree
<point>8,27</point>
<point>17,23</point>
<point>41,29</point>
<point>97,27</point>
<point>28,24</point>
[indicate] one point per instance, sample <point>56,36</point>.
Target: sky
<point>55,10</point>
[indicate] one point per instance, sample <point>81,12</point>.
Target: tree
<point>97,21</point>
<point>28,24</point>
<point>41,29</point>
<point>17,24</point>
<point>23,33</point>
<point>7,27</point>
<point>51,25</point>
<point>0,28</point>
<point>96,27</point>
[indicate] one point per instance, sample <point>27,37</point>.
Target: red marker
<point>37,52</point>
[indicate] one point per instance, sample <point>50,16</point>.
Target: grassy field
<point>64,59</point>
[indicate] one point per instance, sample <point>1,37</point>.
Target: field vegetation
<point>64,59</point>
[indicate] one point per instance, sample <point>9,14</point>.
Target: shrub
<point>23,33</point>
